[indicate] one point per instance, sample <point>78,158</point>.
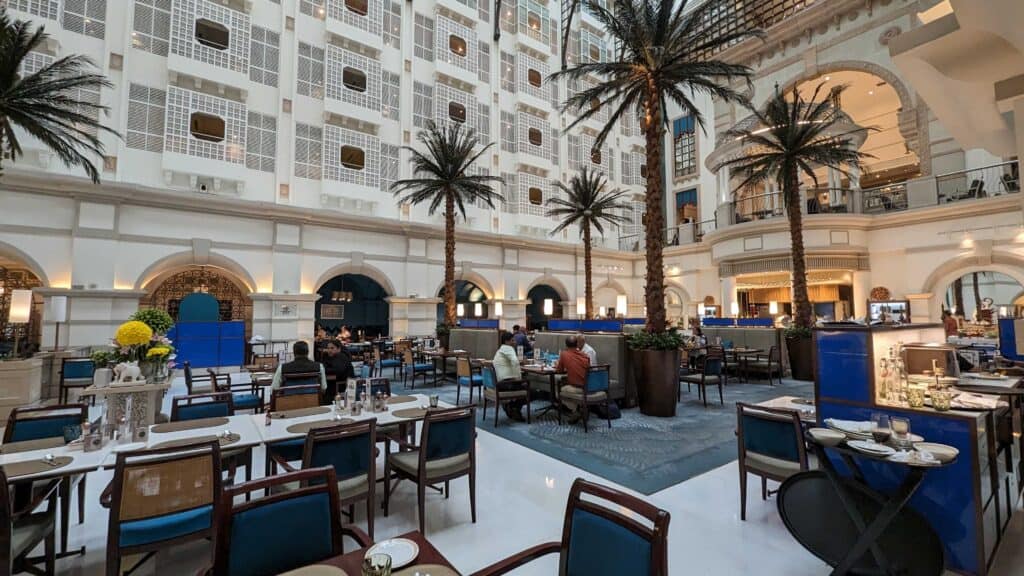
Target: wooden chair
<point>493,392</point>
<point>412,369</point>
<point>712,371</point>
<point>601,540</point>
<point>447,451</point>
<point>380,362</point>
<point>191,380</point>
<point>300,379</point>
<point>248,396</point>
<point>22,530</point>
<point>265,362</point>
<point>350,451</point>
<point>770,364</point>
<point>594,391</point>
<point>42,423</point>
<point>771,445</point>
<point>466,375</point>
<point>75,373</point>
<point>214,405</point>
<point>283,531</point>
<point>144,520</point>
<point>295,397</point>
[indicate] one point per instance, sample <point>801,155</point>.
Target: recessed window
<point>456,45</point>
<point>361,7</point>
<point>206,127</point>
<point>457,112</point>
<point>536,196</point>
<point>595,103</point>
<point>354,79</point>
<point>533,20</point>
<point>595,52</point>
<point>212,34</point>
<point>534,77</point>
<point>595,156</point>
<point>536,138</point>
<point>643,171</point>
<point>353,158</point>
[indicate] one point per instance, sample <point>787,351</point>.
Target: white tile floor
<point>521,501</point>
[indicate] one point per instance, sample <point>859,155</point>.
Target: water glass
<point>880,427</point>
<point>377,565</point>
<point>433,400</point>
<point>901,431</point>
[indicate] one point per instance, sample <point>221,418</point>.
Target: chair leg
<point>81,500</point>
<point>387,483</point>
<point>369,514</point>
<point>421,498</point>
<point>50,553</point>
<point>527,406</point>
<point>743,494</point>
<point>497,406</point>
<point>721,398</point>
<point>483,415</point>
<point>586,415</point>
<point>472,495</point>
<point>764,487</point>
<point>608,413</point>
<point>65,512</point>
<point>458,392</point>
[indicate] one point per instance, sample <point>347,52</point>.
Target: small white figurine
<point>128,372</point>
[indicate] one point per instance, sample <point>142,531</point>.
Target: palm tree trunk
<point>801,301</point>
<point>449,259</point>
<point>958,295</point>
<point>654,289</point>
<point>977,291</point>
<point>588,290</point>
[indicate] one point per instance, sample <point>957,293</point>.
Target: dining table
<point>429,557</point>
<point>804,406</point>
<point>440,354</point>
<point>549,372</point>
<point>741,358</point>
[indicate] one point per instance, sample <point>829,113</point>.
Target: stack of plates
<point>872,448</point>
<point>852,429</point>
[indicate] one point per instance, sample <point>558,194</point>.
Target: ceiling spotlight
<point>871,92</point>
<point>827,78</point>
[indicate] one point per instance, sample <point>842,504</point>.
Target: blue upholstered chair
<point>285,530</point>
<point>380,362</point>
<point>503,394</point>
<point>245,396</point>
<point>293,397</point>
<point>411,369</point>
<point>447,450</point>
<point>350,450</point>
<point>300,379</point>
<point>196,384</point>
<point>712,371</point>
<point>466,376</point>
<point>594,391</point>
<point>60,424</point>
<point>196,406</point>
<point>75,373</point>
<point>23,529</point>
<point>143,520</point>
<point>599,540</point>
<point>771,445</point>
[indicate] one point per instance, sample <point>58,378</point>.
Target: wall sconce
<point>498,310</point>
<point>460,310</point>
<point>1002,311</point>
<point>549,306</point>
<point>701,310</point>
<point>621,305</point>
<point>581,306</point>
<point>478,309</point>
<point>734,308</point>
<point>602,311</point>
<point>59,313</point>
<point>773,307</point>
<point>19,312</point>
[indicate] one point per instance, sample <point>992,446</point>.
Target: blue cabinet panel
<point>844,369</point>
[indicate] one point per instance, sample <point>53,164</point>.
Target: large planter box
<point>21,383</point>
<point>657,381</point>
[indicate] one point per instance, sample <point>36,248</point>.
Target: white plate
<point>128,447</point>
<point>871,447</point>
<point>402,551</point>
<point>942,452</point>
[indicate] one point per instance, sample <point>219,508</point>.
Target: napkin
<point>915,457</point>
<point>968,400</point>
<point>858,426</point>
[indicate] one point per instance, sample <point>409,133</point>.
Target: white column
<point>728,294</point>
<point>861,292</point>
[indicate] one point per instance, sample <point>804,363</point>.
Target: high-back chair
<point>265,362</point>
<point>350,450</point>
<point>285,530</point>
<point>295,397</point>
<point>412,369</point>
<point>197,406</point>
<point>245,396</point>
<point>381,363</point>
<point>49,426</point>
<point>712,372</point>
<point>594,391</point>
<point>501,394</point>
<point>466,376</point>
<point>144,520</point>
<point>599,539</point>
<point>447,451</point>
<point>194,383</point>
<point>75,373</point>
<point>771,445</point>
<point>770,364</point>
<point>300,379</point>
<point>21,531</point>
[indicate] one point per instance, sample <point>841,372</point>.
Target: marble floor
<point>521,501</point>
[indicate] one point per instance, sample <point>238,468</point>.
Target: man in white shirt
<point>510,377</point>
<point>587,349</point>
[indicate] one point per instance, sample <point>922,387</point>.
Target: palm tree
<point>659,59</point>
<point>794,137</point>
<point>442,176</point>
<point>590,205</point>
<point>44,103</point>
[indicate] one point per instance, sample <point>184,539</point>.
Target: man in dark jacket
<point>338,366</point>
<point>301,364</point>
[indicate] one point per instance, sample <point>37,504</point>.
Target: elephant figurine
<point>128,373</point>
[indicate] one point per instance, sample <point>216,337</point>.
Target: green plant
<point>797,332</point>
<point>443,329</point>
<point>102,358</point>
<point>158,320</point>
<point>668,340</point>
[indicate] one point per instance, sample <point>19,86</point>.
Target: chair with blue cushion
<point>214,405</point>
<point>712,371</point>
<point>75,373</point>
<point>508,392</point>
<point>594,391</point>
<point>380,362</point>
<point>771,445</point>
<point>290,398</point>
<point>143,519</point>
<point>601,540</point>
<point>196,384</point>
<point>50,426</point>
<point>412,369</point>
<point>245,396</point>
<point>350,450</point>
<point>22,529</point>
<point>466,376</point>
<point>283,531</point>
<point>447,451</point>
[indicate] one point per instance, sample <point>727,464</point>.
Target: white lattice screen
<point>261,142</point>
<point>527,123</point>
<point>334,138</point>
<point>264,56</point>
<point>444,95</point>
<point>388,165</point>
<point>534,21</point>
<point>151,26</point>
<point>483,124</point>
<point>87,17</point>
<point>508,131</point>
<point>182,103</point>
<point>314,8</point>
<point>146,114</point>
<point>183,34</point>
<point>446,28</point>
<point>526,182</point>
<point>49,9</point>
<point>370,22</point>
<point>391,27</point>
<point>390,94</point>
<point>423,33</point>
<point>309,78</point>
<point>337,60</point>
<point>508,72</point>
<point>527,64</point>
<point>309,144</point>
<point>484,68</point>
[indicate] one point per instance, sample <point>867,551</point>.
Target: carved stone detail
<point>889,35</point>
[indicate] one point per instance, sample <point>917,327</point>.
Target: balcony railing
<point>995,180</point>
<point>882,199</point>
<point>681,235</point>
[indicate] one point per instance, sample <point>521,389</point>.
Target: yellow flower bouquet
<point>133,333</point>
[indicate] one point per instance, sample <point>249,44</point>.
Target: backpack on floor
<point>613,411</point>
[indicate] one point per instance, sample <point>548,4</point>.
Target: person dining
<point>574,364</point>
<point>508,374</point>
<point>300,365</point>
<point>338,364</point>
<point>345,335</point>
<point>522,339</point>
<point>950,324</point>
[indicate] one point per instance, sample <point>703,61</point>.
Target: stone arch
<point>613,284</point>
<point>555,283</point>
<point>169,265</point>
<point>678,288</point>
<point>474,277</point>
<point>30,263</point>
<point>935,284</point>
<point>372,272</point>
<point>890,77</point>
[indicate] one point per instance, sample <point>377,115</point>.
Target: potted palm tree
<point>43,103</point>
<point>795,136</point>
<point>660,58</point>
<point>590,205</point>
<point>442,176</point>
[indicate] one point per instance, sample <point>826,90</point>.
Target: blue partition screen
<point>710,321</point>
<point>478,323</point>
<point>209,344</point>
<point>562,325</point>
<point>1008,339</point>
<point>635,321</point>
<point>755,322</point>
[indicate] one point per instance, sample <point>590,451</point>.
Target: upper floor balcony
<point>352,84</point>
<point>210,41</point>
<point>356,20</point>
<point>456,49</point>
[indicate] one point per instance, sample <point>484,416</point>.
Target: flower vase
<point>162,372</point>
<point>149,369</point>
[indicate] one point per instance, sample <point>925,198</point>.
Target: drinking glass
<point>915,397</point>
<point>377,565</point>
<point>900,431</point>
<point>880,428</point>
<point>941,399</point>
<point>433,400</point>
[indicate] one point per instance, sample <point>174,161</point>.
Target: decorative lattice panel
<point>508,131</point>
<point>182,103</point>
<point>484,66</point>
<point>509,193</point>
<point>146,115</point>
<point>151,26</point>
<point>534,20</point>
<point>334,138</point>
<point>632,162</point>
<point>261,142</point>
<point>483,124</point>
<point>388,166</point>
<point>444,95</point>
<point>535,69</point>
<point>370,22</point>
<point>390,94</point>
<point>446,29</point>
<point>87,17</point>
<point>309,144</point>
<point>264,56</point>
<point>423,36</point>
<point>528,198</point>
<point>422,104</point>
<point>337,60</point>
<point>592,48</point>
<point>508,72</point>
<point>17,279</point>
<point>34,62</point>
<point>234,304</point>
<point>588,157</point>
<point>183,34</point>
<point>391,27</point>
<point>528,125</point>
<point>309,77</point>
<point>314,8</point>
<point>49,9</point>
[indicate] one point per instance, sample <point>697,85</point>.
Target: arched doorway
<point>469,295</point>
<point>978,298</point>
<point>536,319</point>
<point>16,276</point>
<point>232,298</point>
<point>356,301</point>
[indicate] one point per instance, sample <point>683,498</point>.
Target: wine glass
<point>881,429</point>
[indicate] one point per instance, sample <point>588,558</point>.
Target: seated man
<point>587,349</point>
<point>301,364</point>
<point>575,365</point>
<point>508,374</point>
<point>522,339</point>
<point>338,365</point>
